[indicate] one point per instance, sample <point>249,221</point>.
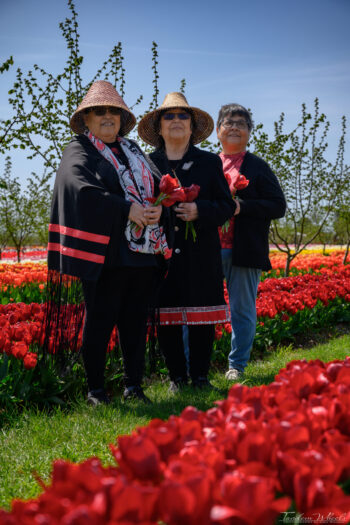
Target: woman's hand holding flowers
<point>152,214</point>
<point>137,215</point>
<point>187,211</point>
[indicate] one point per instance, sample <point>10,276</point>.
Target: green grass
<point>34,439</point>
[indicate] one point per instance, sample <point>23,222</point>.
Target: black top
<point>174,164</point>
<point>261,201</point>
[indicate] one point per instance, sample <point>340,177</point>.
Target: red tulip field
<point>280,449</point>
<point>268,449</point>
<point>317,296</point>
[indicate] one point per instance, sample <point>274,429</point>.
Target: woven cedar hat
<point>147,128</point>
<point>102,93</point>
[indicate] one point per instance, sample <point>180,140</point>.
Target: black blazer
<point>195,270</point>
<point>261,201</point>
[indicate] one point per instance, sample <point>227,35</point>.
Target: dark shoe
<point>98,397</point>
<point>178,384</point>
<point>203,382</point>
<point>136,392</point>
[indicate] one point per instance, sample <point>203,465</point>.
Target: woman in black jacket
<point>192,293</point>
<point>104,231</point>
<point>245,243</point>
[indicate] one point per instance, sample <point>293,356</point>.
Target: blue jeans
<point>242,286</point>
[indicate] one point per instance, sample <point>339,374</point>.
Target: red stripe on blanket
<point>77,254</point>
<point>79,234</point>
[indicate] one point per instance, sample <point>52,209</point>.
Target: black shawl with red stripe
<point>89,212</point>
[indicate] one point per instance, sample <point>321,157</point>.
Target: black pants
<point>200,338</point>
<point>120,297</point>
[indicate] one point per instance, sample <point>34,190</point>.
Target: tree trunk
<point>287,266</point>
<point>346,251</point>
<point>18,250</point>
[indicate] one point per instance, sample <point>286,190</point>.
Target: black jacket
<point>261,201</point>
<point>195,273</point>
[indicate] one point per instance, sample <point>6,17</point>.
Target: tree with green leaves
<point>341,223</point>
<point>311,184</point>
<point>23,212</point>
<point>42,103</point>
<point>3,231</point>
<point>4,236</point>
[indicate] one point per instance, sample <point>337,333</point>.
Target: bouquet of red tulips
<point>239,182</point>
<point>171,191</point>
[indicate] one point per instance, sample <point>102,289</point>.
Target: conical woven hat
<point>147,126</point>
<point>102,93</point>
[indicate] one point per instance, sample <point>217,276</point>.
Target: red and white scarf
<point>138,185</point>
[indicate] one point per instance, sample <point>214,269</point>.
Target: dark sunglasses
<point>181,116</point>
<point>100,111</point>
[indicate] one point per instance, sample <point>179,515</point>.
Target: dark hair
<point>229,110</point>
<point>160,142</point>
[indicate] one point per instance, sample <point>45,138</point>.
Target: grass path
<point>35,438</point>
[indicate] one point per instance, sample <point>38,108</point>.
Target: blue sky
<point>270,56</point>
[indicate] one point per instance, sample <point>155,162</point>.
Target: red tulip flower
<point>192,192</point>
<point>177,195</point>
<point>241,182</point>
<point>170,192</point>
<point>236,182</point>
<point>168,184</point>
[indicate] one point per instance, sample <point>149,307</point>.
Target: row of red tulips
<point>21,327</point>
<point>291,294</point>
<point>264,452</point>
<point>33,254</point>
<point>21,274</point>
<point>298,303</point>
<point>277,298</point>
<point>307,262</point>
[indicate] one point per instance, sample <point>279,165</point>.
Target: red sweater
<point>231,165</point>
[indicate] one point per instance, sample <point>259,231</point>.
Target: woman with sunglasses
<point>104,231</point>
<point>192,292</point>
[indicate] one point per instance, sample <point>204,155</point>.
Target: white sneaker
<point>233,374</point>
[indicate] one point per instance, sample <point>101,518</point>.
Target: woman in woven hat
<point>192,293</point>
<point>104,231</point>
